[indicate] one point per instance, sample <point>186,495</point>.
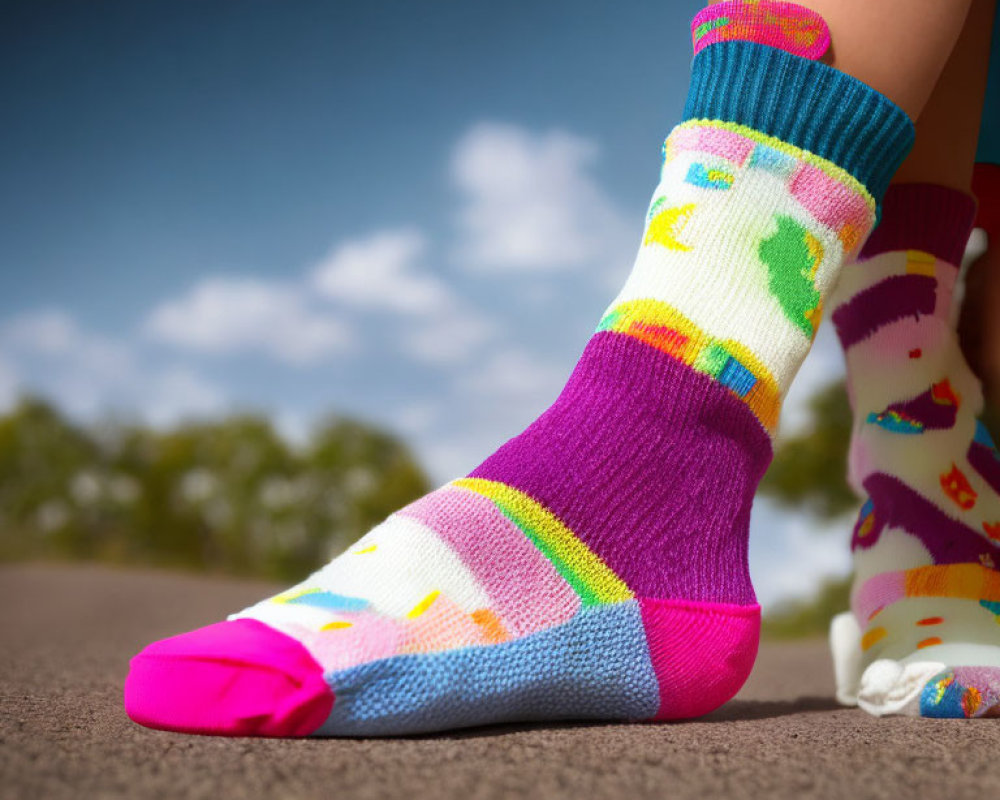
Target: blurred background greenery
<point>233,497</point>
<point>228,496</point>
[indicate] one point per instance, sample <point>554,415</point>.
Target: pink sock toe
<point>238,678</point>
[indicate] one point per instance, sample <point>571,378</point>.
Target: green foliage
<point>808,471</point>
<point>227,496</point>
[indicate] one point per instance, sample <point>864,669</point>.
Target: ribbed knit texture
<point>925,217</point>
<point>596,564</point>
<point>804,103</point>
<point>787,26</point>
<point>924,638</point>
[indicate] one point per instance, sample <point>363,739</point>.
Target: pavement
<point>67,632</point>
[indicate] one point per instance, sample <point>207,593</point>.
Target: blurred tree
<point>40,456</point>
<point>229,495</point>
<point>366,474</point>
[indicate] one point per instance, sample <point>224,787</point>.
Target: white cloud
<point>380,272</point>
<point>52,333</point>
<point>86,373</point>
<point>9,385</point>
<point>177,393</point>
<point>446,459</point>
<point>294,427</point>
<point>514,374</point>
<point>530,202</point>
<point>222,316</point>
<point>49,331</point>
<point>453,336</point>
<point>478,410</point>
<point>417,418</point>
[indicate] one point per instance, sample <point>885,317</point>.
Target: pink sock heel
<point>702,652</point>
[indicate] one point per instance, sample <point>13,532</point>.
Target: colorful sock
<point>923,636</point>
<point>596,565</point>
<point>793,28</point>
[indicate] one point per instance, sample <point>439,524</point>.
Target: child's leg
<point>594,566</point>
<point>923,638</point>
<point>899,48</point>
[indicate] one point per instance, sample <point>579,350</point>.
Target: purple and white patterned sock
<point>922,638</point>
<point>595,566</point>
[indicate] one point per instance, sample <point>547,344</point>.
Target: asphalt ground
<point>67,632</point>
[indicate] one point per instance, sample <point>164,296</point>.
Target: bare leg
<point>946,100</point>
<point>899,47</point>
<point>927,497</point>
<point>948,126</point>
<point>943,153</point>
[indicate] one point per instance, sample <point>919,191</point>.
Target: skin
<point>931,58</point>
<point>899,47</point>
<point>944,153</point>
<point>948,124</point>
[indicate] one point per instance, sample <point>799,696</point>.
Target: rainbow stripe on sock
<point>958,581</point>
<point>728,362</point>
<point>788,26</point>
<point>584,571</point>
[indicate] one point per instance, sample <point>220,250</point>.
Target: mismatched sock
<point>924,638</point>
<point>596,565</point>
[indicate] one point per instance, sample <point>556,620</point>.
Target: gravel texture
<point>66,633</point>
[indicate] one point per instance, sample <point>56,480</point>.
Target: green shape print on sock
<point>792,256</point>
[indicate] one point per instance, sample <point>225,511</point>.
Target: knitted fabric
<point>924,638</point>
<point>787,26</point>
<point>596,564</point>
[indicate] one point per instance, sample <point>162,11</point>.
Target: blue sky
<point>412,213</point>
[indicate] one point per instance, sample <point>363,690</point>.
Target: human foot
<point>923,636</point>
<point>595,566</point>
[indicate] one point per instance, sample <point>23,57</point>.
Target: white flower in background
<point>52,515</point>
<point>198,485</point>
<point>124,489</point>
<point>85,488</point>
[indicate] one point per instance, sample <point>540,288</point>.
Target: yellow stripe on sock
<point>872,637</point>
<point>294,594</point>
<point>664,327</point>
<point>590,577</point>
<point>423,605</point>
<point>920,263</point>
<point>963,581</point>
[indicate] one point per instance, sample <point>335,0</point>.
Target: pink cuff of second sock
<point>787,26</point>
<point>925,217</point>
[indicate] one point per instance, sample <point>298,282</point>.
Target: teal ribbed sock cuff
<point>804,103</point>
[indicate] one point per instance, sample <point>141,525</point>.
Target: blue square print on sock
<point>737,377</point>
